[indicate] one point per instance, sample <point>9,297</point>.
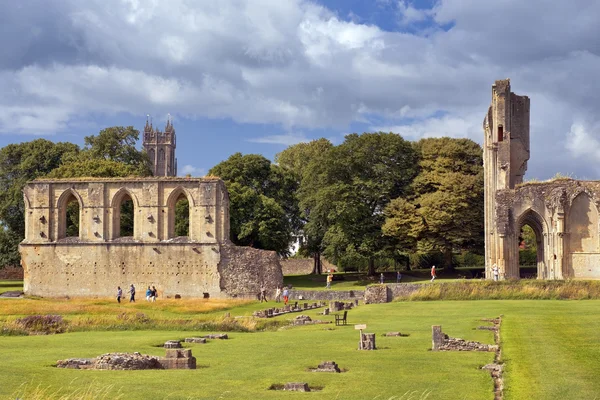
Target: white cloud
<point>286,140</point>
<point>191,170</point>
<point>297,65</point>
<point>451,126</point>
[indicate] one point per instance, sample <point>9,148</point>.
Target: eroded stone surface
<point>203,264</point>
<point>297,386</point>
<point>113,361</point>
<point>195,340</point>
<point>327,366</point>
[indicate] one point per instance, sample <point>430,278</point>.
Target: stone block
<point>178,363</point>
<point>195,340</point>
<point>437,337</point>
<point>297,386</point>
<point>172,344</point>
<point>178,353</point>
<point>328,366</point>
<point>367,342</point>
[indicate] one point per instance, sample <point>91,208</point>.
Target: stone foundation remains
<point>442,342</point>
<point>204,264</point>
<point>297,386</point>
<point>327,366</point>
<point>175,359</point>
<point>367,342</point>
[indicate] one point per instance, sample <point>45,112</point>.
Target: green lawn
<point>552,349</point>
<point>8,285</point>
<point>358,281</point>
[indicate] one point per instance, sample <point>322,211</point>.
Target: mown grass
<point>358,281</point>
<point>551,349</point>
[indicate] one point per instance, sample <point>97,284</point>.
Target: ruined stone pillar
<point>437,337</point>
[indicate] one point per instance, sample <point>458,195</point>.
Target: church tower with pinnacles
<point>160,147</point>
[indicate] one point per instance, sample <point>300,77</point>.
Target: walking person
<point>329,279</point>
<point>278,295</point>
<point>381,278</point>
<point>154,293</point>
<point>119,294</point>
<point>148,294</point>
<point>132,293</point>
<point>398,276</point>
<point>286,295</point>
<point>495,272</point>
<point>263,294</point>
<point>432,273</point>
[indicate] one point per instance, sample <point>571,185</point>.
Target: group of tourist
<point>151,294</point>
<point>282,292</point>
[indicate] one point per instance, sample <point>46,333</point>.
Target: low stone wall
<point>385,293</point>
<point>11,273</point>
<point>326,295</point>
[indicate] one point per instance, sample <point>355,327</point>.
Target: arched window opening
<point>72,214</point>
<point>126,217</point>
<point>182,216</point>
<point>528,252</point>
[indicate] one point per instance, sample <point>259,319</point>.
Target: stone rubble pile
<point>113,361</point>
<point>327,366</point>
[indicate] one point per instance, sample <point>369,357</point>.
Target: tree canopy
<point>346,193</point>
<point>263,209</point>
<point>445,209</point>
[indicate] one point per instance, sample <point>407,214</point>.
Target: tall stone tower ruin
<point>506,151</point>
<point>160,147</point>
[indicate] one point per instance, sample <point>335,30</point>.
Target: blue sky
<point>255,76</point>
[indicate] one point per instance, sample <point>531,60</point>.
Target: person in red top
<point>432,273</point>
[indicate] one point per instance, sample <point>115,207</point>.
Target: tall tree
<point>20,163</point>
<point>351,189</point>
<point>445,212</point>
<point>263,208</point>
<point>303,160</point>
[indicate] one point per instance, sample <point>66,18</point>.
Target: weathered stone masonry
<point>563,213</point>
<point>94,263</point>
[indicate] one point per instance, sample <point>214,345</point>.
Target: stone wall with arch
<point>94,263</point>
<point>563,213</point>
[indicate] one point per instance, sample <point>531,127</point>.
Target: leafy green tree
<point>20,163</point>
<point>118,143</point>
<point>346,194</point>
<point>445,211</point>
<point>182,217</point>
<point>94,168</point>
<point>263,208</point>
<point>301,160</point>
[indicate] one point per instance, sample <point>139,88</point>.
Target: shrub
<point>46,324</point>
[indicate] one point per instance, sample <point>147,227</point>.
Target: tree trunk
<point>448,259</point>
<point>317,266</point>
<point>371,266</point>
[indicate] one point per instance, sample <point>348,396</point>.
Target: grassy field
<point>8,285</point>
<point>551,348</point>
<point>358,281</point>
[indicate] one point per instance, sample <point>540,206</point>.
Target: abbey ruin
<point>563,213</point>
<point>94,256</point>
